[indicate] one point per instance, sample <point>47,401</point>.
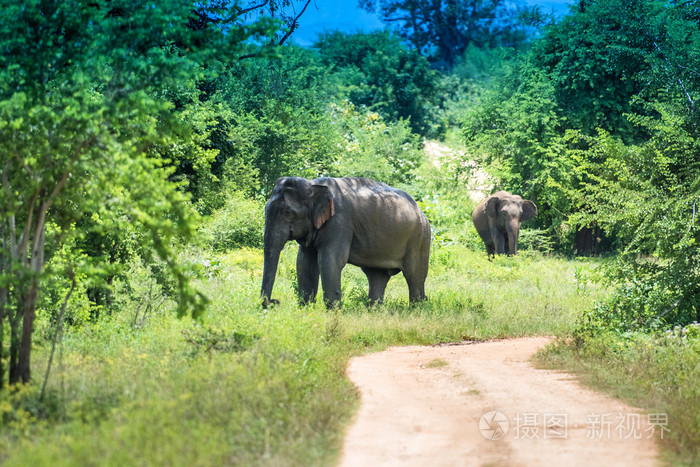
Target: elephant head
<point>497,220</point>
<point>296,210</point>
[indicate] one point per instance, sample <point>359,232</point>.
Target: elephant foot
<point>266,303</point>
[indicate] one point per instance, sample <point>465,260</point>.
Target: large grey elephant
<point>497,220</point>
<point>345,220</point>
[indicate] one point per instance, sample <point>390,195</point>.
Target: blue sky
<point>346,16</point>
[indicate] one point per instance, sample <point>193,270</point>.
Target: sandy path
<point>431,406</point>
<point>477,183</point>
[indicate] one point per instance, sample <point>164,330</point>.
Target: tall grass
<point>248,386</point>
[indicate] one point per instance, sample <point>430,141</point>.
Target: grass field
<point>265,387</point>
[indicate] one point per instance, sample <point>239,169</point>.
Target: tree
<point>377,71</point>
<point>516,129</point>
<point>225,13</point>
<point>599,69</point>
<point>599,59</point>
<point>279,121</point>
<point>84,108</point>
<point>646,191</point>
<point>443,29</point>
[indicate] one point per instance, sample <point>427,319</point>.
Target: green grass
<point>248,386</point>
<point>436,363</point>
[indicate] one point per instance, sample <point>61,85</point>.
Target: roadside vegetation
<point>243,385</point>
<point>135,166</point>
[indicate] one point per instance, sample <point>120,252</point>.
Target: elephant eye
<point>288,212</point>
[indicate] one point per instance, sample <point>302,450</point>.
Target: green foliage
<point>255,386</point>
<point>516,131</point>
<point>535,239</point>
<point>596,70</point>
<point>479,65</point>
<point>377,71</point>
<point>609,56</point>
<point>123,124</point>
<point>142,290</point>
<point>239,223</point>
<point>56,286</point>
<point>646,196</point>
<point>279,125</point>
<point>471,74</point>
<point>373,148</point>
<point>210,339</point>
<point>594,58</point>
<point>99,102</point>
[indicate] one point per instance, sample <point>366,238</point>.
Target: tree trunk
<point>25,348</point>
<point>3,301</point>
<point>14,344</point>
<point>584,241</point>
<point>21,326</point>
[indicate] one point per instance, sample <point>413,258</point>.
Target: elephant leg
<point>331,265</point>
<point>500,244</point>
<point>378,279</point>
<point>307,274</point>
<point>490,248</point>
<point>415,270</point>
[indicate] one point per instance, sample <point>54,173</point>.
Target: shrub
<point>379,72</point>
<point>239,223</point>
<point>373,148</point>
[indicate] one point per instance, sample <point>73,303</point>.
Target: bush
<point>379,72</point>
<point>636,305</point>
<point>374,148</point>
<point>535,239</point>
<point>240,223</point>
<point>646,197</point>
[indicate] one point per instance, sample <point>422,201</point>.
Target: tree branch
<point>11,218</point>
<point>59,328</point>
<point>685,91</point>
<point>248,10</point>
<point>399,18</point>
<point>24,238</point>
<point>37,259</point>
<point>59,186</point>
<point>239,12</point>
<point>25,166</point>
<point>293,27</point>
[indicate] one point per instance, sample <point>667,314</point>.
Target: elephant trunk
<point>513,233</point>
<point>273,244</point>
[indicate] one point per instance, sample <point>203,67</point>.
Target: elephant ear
<point>491,207</point>
<point>322,205</point>
<point>529,210</point>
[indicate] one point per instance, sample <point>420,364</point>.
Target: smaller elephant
<point>497,220</point>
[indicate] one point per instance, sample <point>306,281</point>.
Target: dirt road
<point>485,404</point>
<point>477,183</point>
